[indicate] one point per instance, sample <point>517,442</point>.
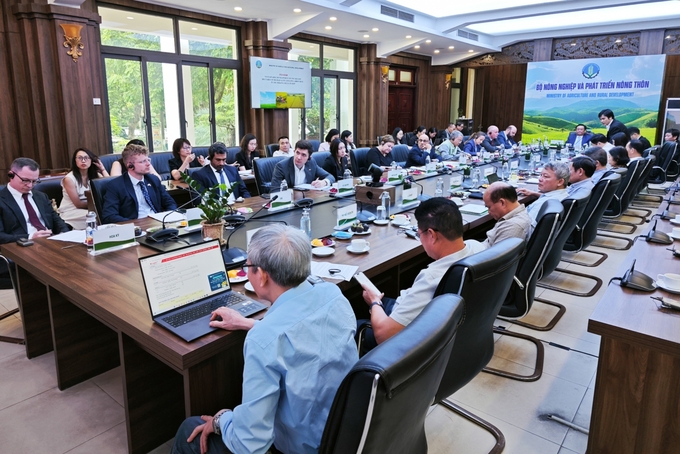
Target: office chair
<point>263,170</point>
<point>382,403</point>
<point>98,190</point>
<point>482,280</point>
<point>7,339</point>
<point>622,198</point>
<point>358,160</point>
<point>400,154</point>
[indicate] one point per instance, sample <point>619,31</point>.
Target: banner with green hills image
<point>561,94</point>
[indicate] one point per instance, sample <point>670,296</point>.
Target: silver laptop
<point>184,286</point>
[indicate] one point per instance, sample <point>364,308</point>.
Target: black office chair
<point>320,157</point>
<point>271,148</point>
<point>520,298</point>
<point>8,339</point>
<point>315,145</point>
<point>51,187</point>
<point>382,403</point>
<point>622,198</point>
<point>231,154</point>
<point>666,167</point>
<point>358,159</point>
<point>98,190</point>
<point>585,231</point>
<point>400,154</point>
<point>482,280</point>
<point>263,170</point>
<point>642,186</point>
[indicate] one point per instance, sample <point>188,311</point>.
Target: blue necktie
<point>222,182</point>
<point>146,195</point>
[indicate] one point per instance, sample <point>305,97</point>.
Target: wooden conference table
<point>636,404</point>
<point>93,312</point>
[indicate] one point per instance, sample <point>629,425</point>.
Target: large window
<point>333,81</point>
<point>168,78</point>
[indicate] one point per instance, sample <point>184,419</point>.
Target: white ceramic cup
<point>677,218</point>
<point>362,245</point>
<point>670,280</point>
<point>676,231</point>
<point>400,219</point>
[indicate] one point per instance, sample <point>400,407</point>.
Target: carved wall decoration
<point>596,46</point>
<point>671,42</point>
<point>72,36</point>
<point>511,55</point>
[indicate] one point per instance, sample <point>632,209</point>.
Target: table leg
<point>154,397</point>
<point>83,346</point>
<point>35,315</point>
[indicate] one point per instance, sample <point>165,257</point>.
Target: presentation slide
<point>280,84</point>
<point>562,94</point>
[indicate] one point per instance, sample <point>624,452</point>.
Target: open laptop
<point>184,286</point>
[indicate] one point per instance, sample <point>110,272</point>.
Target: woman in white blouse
<point>85,166</point>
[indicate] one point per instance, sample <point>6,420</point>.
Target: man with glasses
<point>25,213</point>
<point>417,155</point>
<point>135,195</point>
<point>440,229</point>
<point>294,358</point>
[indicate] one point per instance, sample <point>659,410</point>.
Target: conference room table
<point>637,394</point>
<point>92,311</point>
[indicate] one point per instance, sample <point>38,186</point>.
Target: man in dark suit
<point>300,169</point>
<point>491,143</point>
<point>507,138</point>
<point>634,134</point>
<point>137,194</point>
<point>25,213</point>
<point>579,138</point>
<point>219,172</point>
<point>613,125</point>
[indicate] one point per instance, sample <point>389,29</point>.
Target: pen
<point>71,245</point>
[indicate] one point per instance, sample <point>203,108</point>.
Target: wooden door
<point>400,108</point>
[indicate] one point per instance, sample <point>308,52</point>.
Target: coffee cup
<point>670,280</point>
<point>362,245</point>
<point>676,232</point>
<point>677,218</point>
<point>400,219</point>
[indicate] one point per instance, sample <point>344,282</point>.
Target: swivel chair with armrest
<point>263,170</point>
<point>98,190</point>
<point>482,280</point>
<point>382,403</point>
<point>622,197</point>
<point>8,339</point>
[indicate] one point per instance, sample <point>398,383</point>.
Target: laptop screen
<point>176,278</point>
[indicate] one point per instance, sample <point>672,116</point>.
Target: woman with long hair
<point>244,158</point>
<point>474,144</point>
<point>348,139</point>
<point>336,163</point>
<point>85,166</point>
<point>398,136</point>
<point>183,158</point>
<point>332,134</point>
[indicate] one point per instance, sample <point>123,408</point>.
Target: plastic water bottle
<point>532,165</point>
<point>439,188</point>
<point>90,227</point>
<point>306,223</point>
<point>504,170</point>
<point>475,178</point>
<point>347,175</point>
<point>427,160</point>
<point>385,204</point>
<point>284,186</point>
<point>393,164</point>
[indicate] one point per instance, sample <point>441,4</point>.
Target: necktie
<point>32,215</point>
<point>222,182</point>
<point>146,196</point>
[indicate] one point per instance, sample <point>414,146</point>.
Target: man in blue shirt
<point>580,177</point>
<point>295,358</point>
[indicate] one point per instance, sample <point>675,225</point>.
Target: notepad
<point>471,208</point>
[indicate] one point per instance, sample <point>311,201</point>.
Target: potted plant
<point>214,204</point>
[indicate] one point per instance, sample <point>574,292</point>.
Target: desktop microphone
<point>165,234</point>
<point>422,197</point>
<point>658,237</point>
<point>667,214</point>
<point>234,256</point>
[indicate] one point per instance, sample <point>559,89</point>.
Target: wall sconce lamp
<point>447,84</point>
<point>72,36</point>
<point>385,70</point>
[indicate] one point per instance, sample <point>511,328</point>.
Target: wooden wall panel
<point>499,97</point>
<point>8,125</point>
<point>671,89</point>
<point>372,97</point>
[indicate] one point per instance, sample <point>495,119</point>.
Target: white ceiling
<point>497,23</point>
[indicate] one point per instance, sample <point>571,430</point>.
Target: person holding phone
<point>183,158</point>
<point>85,166</point>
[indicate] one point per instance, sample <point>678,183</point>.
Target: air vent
<point>468,35</point>
<point>395,13</point>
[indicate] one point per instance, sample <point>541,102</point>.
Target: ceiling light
<point>366,36</point>
<point>408,36</point>
<point>328,27</point>
<point>668,37</point>
<point>617,41</point>
<point>436,51</point>
<point>471,50</point>
<point>451,47</point>
<point>297,10</point>
<point>416,47</point>
<point>375,29</point>
<point>130,17</point>
<point>333,18</point>
<point>238,8</point>
<point>194,28</point>
<point>428,41</point>
<point>573,44</point>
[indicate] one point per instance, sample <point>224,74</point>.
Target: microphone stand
<point>164,233</point>
<point>235,257</point>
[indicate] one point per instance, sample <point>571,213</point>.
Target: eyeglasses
<point>250,265</point>
<point>28,180</point>
<point>423,140</point>
<point>83,158</point>
<point>186,147</point>
<point>144,161</point>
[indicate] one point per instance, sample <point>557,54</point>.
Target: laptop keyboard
<point>202,310</point>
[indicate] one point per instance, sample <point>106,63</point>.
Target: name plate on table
<point>193,216</point>
<point>537,157</point>
<point>488,171</point>
<point>514,164</point>
<point>113,239</point>
<point>455,182</point>
<point>346,217</point>
<point>345,186</point>
<point>283,201</point>
<point>431,167</point>
<point>395,176</point>
<point>409,197</point>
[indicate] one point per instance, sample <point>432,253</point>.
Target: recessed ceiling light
<point>668,37</point>
<point>130,17</point>
<point>408,36</point>
<point>238,8</point>
<point>328,27</point>
<point>375,29</point>
<point>428,41</point>
<point>573,44</point>
<point>333,18</point>
<point>451,47</point>
<point>194,28</point>
<point>366,36</point>
<point>471,50</point>
<point>311,46</point>
<point>297,10</point>
<point>617,41</point>
<point>436,51</point>
<point>416,47</point>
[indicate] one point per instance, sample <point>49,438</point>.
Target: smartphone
<point>25,242</point>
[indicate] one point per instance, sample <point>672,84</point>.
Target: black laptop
<point>184,286</point>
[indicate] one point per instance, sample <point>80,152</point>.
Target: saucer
<point>670,234</point>
<point>365,232</point>
<point>404,224</point>
<point>675,221</point>
<point>354,251</point>
<point>381,222</point>
<point>248,286</point>
<point>661,285</point>
<point>323,251</point>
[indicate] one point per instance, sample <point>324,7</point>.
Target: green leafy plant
<point>214,202</point>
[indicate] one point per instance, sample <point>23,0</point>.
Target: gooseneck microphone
<point>164,233</point>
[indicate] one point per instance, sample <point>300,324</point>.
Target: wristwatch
<point>375,303</point>
<point>216,422</point>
